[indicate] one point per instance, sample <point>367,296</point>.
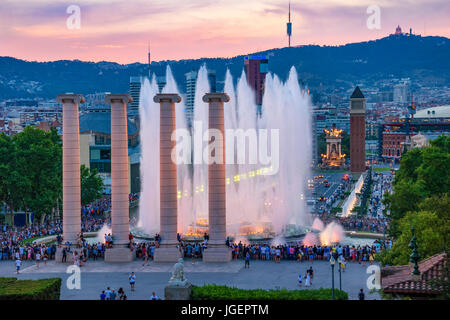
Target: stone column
<point>217,251</point>
<point>168,251</point>
<point>71,170</point>
<point>120,213</point>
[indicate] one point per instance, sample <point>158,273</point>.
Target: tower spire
<point>149,62</point>
<point>289,26</point>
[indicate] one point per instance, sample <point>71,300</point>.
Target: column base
<point>59,256</point>
<point>178,292</point>
<point>118,254</point>
<point>217,254</point>
<point>166,254</point>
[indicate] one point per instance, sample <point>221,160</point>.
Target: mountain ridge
<point>421,58</point>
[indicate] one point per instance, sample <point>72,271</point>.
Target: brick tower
<point>357,133</point>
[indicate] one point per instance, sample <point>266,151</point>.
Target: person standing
<point>300,279</point>
<point>361,295</point>
<point>247,260</point>
<point>18,263</point>
<point>38,258</point>
<point>132,278</point>
<point>113,295</point>
<point>154,296</point>
<point>64,255</point>
<point>308,280</point>
<point>103,295</point>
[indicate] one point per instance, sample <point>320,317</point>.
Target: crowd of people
<point>302,253</point>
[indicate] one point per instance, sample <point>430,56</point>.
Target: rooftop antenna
<point>289,26</point>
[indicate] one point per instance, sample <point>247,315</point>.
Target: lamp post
<point>340,274</point>
<point>332,262</point>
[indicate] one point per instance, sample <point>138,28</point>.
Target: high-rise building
<point>135,89</point>
<point>401,93</point>
<point>190,85</point>
<point>161,82</point>
<point>357,133</point>
<point>256,68</point>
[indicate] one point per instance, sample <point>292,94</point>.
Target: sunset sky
<point>120,31</point>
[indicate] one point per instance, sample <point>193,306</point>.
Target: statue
<point>178,278</point>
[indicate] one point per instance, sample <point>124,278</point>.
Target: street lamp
<point>340,275</point>
<point>332,262</point>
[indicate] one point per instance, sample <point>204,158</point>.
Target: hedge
<point>218,292</point>
<point>42,289</point>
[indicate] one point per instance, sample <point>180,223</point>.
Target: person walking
<point>300,279</point>
<point>132,278</point>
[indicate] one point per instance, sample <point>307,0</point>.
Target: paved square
<point>97,275</point>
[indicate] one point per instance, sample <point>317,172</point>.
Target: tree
<point>37,158</point>
<point>91,185</point>
<point>420,199</point>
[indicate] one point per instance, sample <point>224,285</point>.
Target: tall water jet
<point>149,168</point>
<point>200,168</point>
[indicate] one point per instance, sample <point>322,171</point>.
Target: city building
<point>256,68</point>
<point>135,89</point>
<point>357,133</point>
<point>190,85</point>
<point>95,146</point>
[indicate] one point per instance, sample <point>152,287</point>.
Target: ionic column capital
<point>216,97</point>
<point>167,97</point>
<point>69,97</point>
<point>123,98</point>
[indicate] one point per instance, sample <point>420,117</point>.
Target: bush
<point>42,289</point>
<point>218,292</point>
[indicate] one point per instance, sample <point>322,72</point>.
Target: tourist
<point>18,264</point>
<point>112,295</point>
<point>308,279</point>
<point>311,272</point>
<point>38,258</point>
<point>247,260</point>
<point>300,279</point>
<point>108,293</point>
<point>154,296</point>
<point>132,278</point>
<point>361,295</point>
<point>103,295</point>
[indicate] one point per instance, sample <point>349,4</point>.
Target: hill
<point>425,59</point>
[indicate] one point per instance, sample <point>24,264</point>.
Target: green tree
<point>420,199</point>
<point>91,185</point>
<point>38,156</point>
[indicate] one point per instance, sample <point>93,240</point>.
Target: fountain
<point>264,200</point>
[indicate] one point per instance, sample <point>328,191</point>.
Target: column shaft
<point>168,169</point>
<point>120,216</point>
<point>71,167</point>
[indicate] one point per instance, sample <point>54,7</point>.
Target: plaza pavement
<point>97,275</point>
